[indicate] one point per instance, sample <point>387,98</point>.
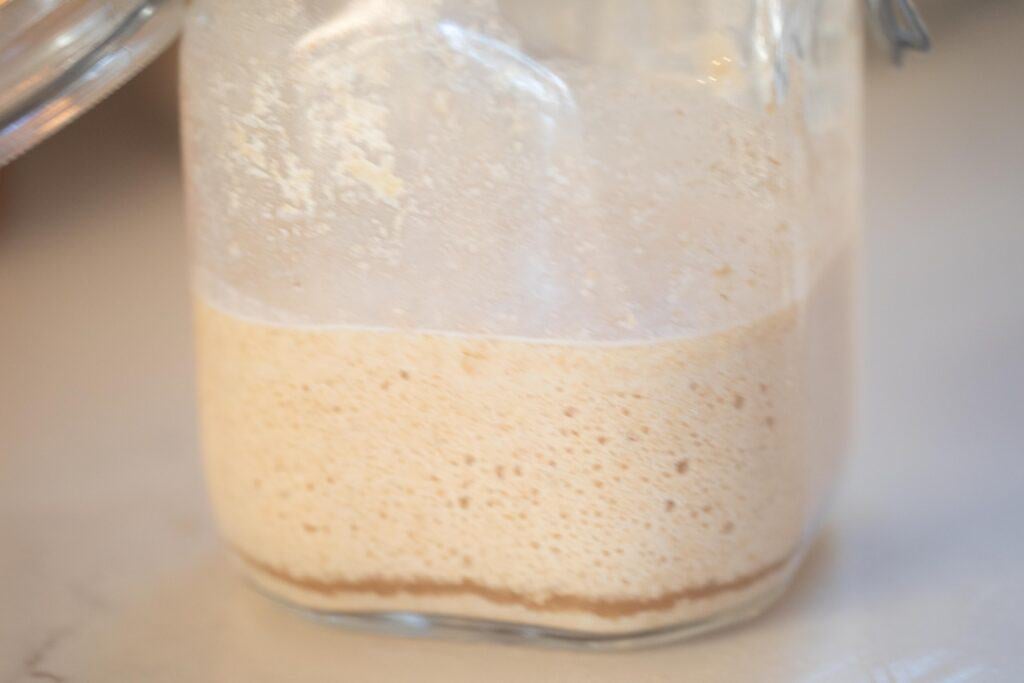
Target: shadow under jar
<point>527,318</point>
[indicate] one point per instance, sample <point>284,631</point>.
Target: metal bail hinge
<point>900,24</point>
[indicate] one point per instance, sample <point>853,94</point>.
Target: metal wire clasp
<point>900,24</point>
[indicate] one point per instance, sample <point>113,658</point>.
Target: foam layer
<point>602,487</point>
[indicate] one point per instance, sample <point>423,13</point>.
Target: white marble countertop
<point>109,568</point>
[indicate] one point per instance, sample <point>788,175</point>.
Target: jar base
<point>412,624</point>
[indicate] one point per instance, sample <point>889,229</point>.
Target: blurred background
<point>108,563</point>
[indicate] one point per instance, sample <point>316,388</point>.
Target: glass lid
<point>60,57</point>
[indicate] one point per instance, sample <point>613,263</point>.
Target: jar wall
<point>530,312</point>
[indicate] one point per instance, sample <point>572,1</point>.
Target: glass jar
<point>524,318</point>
